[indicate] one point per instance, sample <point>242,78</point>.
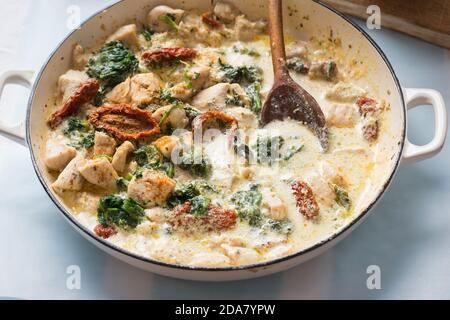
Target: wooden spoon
<point>287,99</point>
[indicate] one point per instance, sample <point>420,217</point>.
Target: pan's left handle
<point>15,132</point>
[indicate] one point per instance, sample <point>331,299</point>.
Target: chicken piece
<point>119,159</point>
<point>151,189</point>
<point>345,92</point>
<point>70,178</point>
<point>58,155</point>
<point>196,78</point>
<point>127,34</point>
<point>297,49</point>
<point>141,89</point>
<point>322,181</point>
<point>166,145</point>
<point>104,145</point>
<point>209,259</point>
<point>278,251</point>
<point>212,98</point>
<point>225,12</point>
<point>342,115</point>
<point>69,82</point>
<point>277,210</point>
<point>176,118</point>
<point>79,57</point>
<point>99,172</point>
<point>245,117</point>
<point>246,30</point>
<point>240,255</point>
<point>155,17</point>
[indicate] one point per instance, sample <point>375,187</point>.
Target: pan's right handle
<point>15,132</point>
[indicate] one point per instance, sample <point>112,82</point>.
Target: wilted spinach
<point>123,212</point>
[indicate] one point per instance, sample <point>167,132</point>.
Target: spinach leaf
<point>187,191</point>
<point>247,203</point>
<point>150,157</point>
<point>112,64</point>
<point>83,140</point>
<point>253,92</point>
<point>75,124</point>
<point>281,226</point>
<point>240,74</point>
<point>123,212</point>
<point>199,205</point>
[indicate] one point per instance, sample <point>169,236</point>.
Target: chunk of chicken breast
<point>151,189</point>
<point>104,145</point>
<point>240,255</point>
<point>196,79</point>
<point>140,89</point>
<point>277,210</point>
<point>226,12</point>
<point>216,97</point>
<point>79,57</point>
<point>321,182</point>
<point>156,21</point>
<point>246,30</point>
<point>58,155</point>
<point>342,115</point>
<point>127,34</point>
<point>70,178</point>
<point>245,117</point>
<point>345,92</point>
<point>176,118</point>
<point>119,159</point>
<point>70,81</point>
<point>209,259</point>
<point>167,144</point>
<point>99,172</point>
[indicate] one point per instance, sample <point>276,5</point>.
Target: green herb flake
<point>342,197</point>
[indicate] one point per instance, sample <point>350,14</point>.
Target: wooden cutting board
<point>425,19</point>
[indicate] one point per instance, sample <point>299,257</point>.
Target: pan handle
<point>15,132</point>
<point>414,98</point>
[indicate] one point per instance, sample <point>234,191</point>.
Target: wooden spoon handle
<point>276,38</point>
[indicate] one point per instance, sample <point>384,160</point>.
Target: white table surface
<point>407,235</point>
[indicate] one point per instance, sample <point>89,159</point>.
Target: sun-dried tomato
<point>306,202</point>
<point>124,122</point>
<point>85,93</point>
<point>169,54</point>
<point>215,219</point>
<point>104,231</point>
<point>366,106</point>
<point>209,19</point>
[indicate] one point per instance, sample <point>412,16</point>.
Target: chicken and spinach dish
<point>154,141</point>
